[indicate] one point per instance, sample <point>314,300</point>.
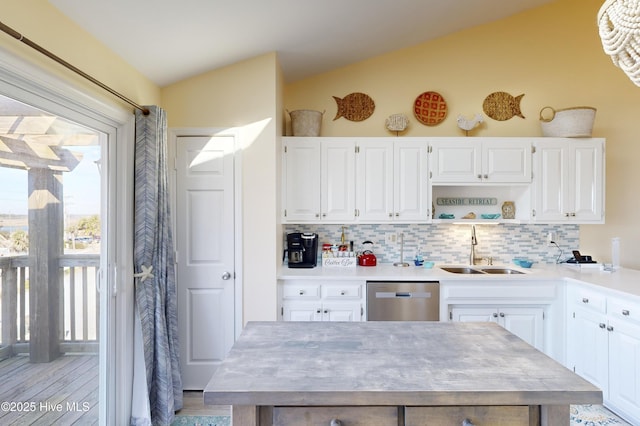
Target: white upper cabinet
<point>569,180</point>
<point>480,160</point>
<point>391,183</point>
<point>318,179</point>
<point>387,179</point>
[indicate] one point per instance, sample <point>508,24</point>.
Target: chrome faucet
<point>474,243</point>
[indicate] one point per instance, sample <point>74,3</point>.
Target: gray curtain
<point>155,282</point>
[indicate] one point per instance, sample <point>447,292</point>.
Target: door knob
<point>226,276</point>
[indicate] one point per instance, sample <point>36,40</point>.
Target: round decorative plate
<point>430,108</point>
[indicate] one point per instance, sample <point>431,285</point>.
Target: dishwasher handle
<point>403,295</point>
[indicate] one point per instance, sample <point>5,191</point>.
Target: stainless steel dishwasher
<point>403,301</point>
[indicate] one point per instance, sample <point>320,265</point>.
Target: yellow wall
<point>552,54</point>
<point>43,24</point>
<point>239,96</point>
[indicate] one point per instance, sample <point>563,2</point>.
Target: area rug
<point>581,415</point>
<point>202,421</point>
<point>593,415</point>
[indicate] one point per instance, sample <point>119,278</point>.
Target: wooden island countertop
<point>391,364</point>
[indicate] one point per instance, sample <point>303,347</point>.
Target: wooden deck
<point>61,392</point>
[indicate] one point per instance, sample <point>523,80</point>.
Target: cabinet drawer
<point>588,299</point>
<point>342,291</point>
<point>478,415</point>
<point>322,416</point>
<point>301,292</point>
<point>624,310</point>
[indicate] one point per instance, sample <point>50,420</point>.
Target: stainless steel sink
<point>461,270</point>
<point>500,271</point>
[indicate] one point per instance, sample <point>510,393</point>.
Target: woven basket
<point>576,122</point>
<point>306,122</point>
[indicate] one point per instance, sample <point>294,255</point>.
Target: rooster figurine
<point>469,124</point>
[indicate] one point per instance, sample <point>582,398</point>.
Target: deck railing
<point>79,303</point>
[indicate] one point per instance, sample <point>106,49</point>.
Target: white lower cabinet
<point>524,322</point>
<point>527,309</point>
<point>302,300</point>
<point>604,346</point>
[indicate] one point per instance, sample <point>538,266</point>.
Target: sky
<point>81,186</point>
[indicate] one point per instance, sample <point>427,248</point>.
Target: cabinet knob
<point>301,292</point>
<point>467,422</point>
<point>585,300</point>
<point>317,214</point>
<point>495,315</point>
<point>610,328</point>
<point>318,311</point>
<point>335,422</point>
<point>602,325</point>
<point>479,176</point>
<point>324,215</point>
<point>486,176</point>
<point>397,214</point>
<point>390,214</point>
<point>342,292</point>
<point>625,312</point>
<point>502,314</point>
<point>573,215</point>
<point>326,311</point>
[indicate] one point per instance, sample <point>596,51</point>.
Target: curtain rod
<point>13,33</point>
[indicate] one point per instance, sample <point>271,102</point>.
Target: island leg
<point>244,415</point>
<point>552,415</point>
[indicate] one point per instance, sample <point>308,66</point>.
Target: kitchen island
<point>392,373</point>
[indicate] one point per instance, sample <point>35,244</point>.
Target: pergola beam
<point>25,155</point>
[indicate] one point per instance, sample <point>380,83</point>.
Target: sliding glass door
<point>66,298</point>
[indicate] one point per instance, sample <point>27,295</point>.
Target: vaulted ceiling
<point>169,40</point>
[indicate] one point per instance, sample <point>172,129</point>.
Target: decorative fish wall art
<point>502,106</point>
<point>355,106</point>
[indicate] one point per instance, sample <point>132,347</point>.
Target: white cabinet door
<point>301,311</point>
<point>374,177</point>
<point>474,314</point>
<point>301,180</point>
<point>455,160</point>
<point>411,196</point>
<point>588,332</point>
<point>524,322</point>
<point>569,181</point>
<point>460,160</point>
<point>506,161</point>
<point>588,176</point>
<point>337,180</point>
<point>624,367</point>
<point>342,311</point>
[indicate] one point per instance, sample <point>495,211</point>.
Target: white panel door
<point>624,366</point>
<point>205,245</point>
<point>588,178</point>
<point>589,330</point>
<point>526,323</point>
<point>455,161</point>
<point>338,180</point>
<point>374,189</point>
<point>506,161</point>
<point>411,195</point>
<point>301,180</point>
<point>551,181</point>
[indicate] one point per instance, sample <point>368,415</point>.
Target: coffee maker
<point>302,249</point>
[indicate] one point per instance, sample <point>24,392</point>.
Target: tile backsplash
<point>452,243</point>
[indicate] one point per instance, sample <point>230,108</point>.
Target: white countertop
<point>623,280</point>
